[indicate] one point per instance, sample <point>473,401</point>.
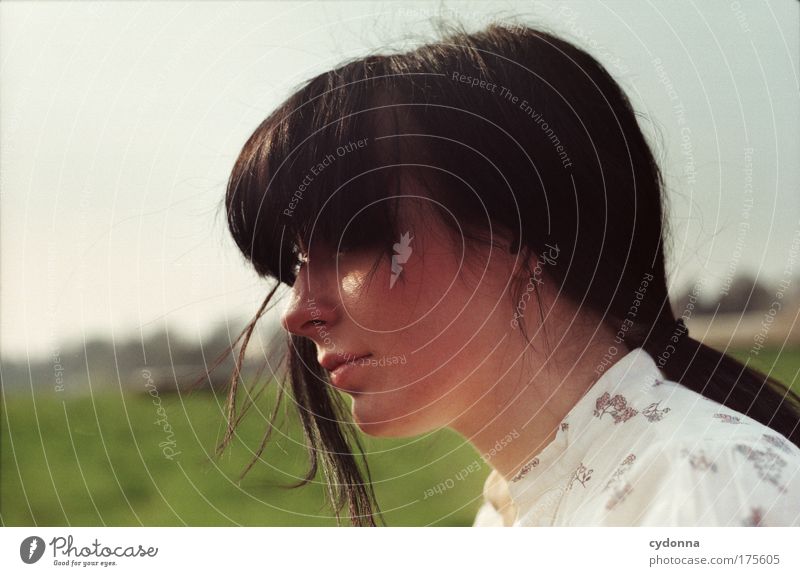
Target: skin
<point>450,319</point>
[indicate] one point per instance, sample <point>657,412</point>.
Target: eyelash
<point>302,257</point>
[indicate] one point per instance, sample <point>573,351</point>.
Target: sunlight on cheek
<point>353,283</point>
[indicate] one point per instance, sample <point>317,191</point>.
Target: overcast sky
<point>119,124</point>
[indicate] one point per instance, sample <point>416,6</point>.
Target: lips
<point>332,361</point>
<point>341,368</point>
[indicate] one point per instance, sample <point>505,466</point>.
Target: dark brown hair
<point>510,130</point>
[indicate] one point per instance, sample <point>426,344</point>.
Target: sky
<point>120,122</point>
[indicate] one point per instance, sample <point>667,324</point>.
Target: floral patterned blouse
<point>640,450</point>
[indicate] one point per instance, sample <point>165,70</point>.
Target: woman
<point>473,234</point>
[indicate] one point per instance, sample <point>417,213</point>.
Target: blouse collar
<point>606,403</point>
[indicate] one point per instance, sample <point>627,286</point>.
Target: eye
<point>299,260</point>
<point>299,253</point>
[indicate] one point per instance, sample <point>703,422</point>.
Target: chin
<point>384,425</point>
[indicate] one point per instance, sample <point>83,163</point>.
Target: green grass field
<point>96,460</point>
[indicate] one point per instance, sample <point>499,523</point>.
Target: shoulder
<point>715,468</point>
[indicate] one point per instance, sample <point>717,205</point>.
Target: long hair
<point>509,130</point>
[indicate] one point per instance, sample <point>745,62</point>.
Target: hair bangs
<point>324,168</point>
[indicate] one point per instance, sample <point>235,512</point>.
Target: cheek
<point>402,409</point>
<point>414,297</point>
<point>433,316</point>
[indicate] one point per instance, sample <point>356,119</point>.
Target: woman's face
<point>423,339</point>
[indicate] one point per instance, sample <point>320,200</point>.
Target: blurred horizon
<point>745,320</point>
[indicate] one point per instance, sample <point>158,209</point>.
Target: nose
<point>312,310</point>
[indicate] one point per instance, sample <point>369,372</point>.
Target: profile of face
<point>418,338</point>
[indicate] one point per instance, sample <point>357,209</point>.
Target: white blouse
<point>640,450</point>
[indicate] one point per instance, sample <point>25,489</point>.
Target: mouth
<point>332,361</point>
<point>340,366</point>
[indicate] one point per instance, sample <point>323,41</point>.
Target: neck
<point>524,410</point>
